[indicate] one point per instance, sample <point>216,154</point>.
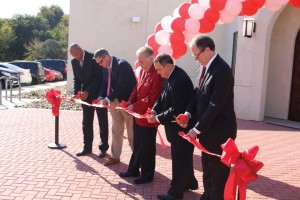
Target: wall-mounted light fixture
<point>249,27</point>
<point>136,19</point>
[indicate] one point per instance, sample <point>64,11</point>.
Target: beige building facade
<point>262,65</point>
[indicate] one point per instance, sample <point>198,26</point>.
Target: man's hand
<point>151,118</point>
<point>130,107</point>
<point>191,133</point>
<point>72,99</point>
<point>182,120</point>
<point>103,102</point>
<point>84,95</point>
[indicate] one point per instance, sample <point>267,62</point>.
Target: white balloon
<point>225,17</point>
<point>204,3</point>
<point>192,25</point>
<point>165,49</point>
<point>233,7</point>
<point>166,23</point>
<point>189,35</point>
<point>176,12</point>
<point>162,37</point>
<point>196,11</point>
<point>281,2</point>
<point>271,6</point>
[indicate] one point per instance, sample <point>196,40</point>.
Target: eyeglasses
<point>196,56</point>
<point>101,61</point>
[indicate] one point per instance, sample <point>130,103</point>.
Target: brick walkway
<point>30,170</point>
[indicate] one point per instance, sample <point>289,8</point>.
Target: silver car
<point>25,76</point>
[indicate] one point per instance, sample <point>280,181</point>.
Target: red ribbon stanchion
<point>244,168</point>
<point>53,97</point>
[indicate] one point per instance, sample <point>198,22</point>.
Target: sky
<point>31,7</point>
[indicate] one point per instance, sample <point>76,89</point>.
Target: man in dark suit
<point>87,80</point>
<point>118,82</point>
<point>213,109</point>
<point>174,98</point>
<point>143,96</point>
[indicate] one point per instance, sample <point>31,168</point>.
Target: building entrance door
<point>294,111</point>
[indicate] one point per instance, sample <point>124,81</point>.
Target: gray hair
<point>100,52</point>
<point>146,50</point>
<point>202,41</point>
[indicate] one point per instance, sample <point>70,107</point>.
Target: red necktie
<point>202,76</point>
<point>109,80</point>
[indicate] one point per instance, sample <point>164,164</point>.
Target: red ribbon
<point>53,97</point>
<point>244,170</point>
<point>181,118</point>
<point>124,104</point>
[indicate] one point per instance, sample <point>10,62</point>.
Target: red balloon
<point>179,50</point>
<point>177,38</point>
<point>295,3</point>
<point>178,24</point>
<point>184,10</point>
<point>217,5</point>
<point>152,42</point>
<point>211,15</point>
<point>248,9</point>
<point>194,1</point>
<point>158,27</point>
<point>206,26</point>
<point>257,3</point>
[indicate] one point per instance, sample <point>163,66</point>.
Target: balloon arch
<point>174,32</point>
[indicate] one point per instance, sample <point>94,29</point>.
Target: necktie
<point>202,76</point>
<point>109,80</point>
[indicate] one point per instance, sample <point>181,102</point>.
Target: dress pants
<point>88,129</point>
<point>215,175</point>
<point>119,119</point>
<point>182,166</point>
<point>144,151</point>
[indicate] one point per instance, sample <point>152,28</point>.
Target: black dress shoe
<point>83,152</point>
<point>193,187</point>
<point>142,180</point>
<point>102,154</point>
<point>127,174</point>
<point>168,197</point>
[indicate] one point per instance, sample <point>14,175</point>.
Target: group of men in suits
<point>167,89</point>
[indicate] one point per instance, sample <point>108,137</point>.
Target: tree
<point>7,36</point>
<point>52,14</point>
<point>47,49</point>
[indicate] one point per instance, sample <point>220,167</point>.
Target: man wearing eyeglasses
<point>118,83</point>
<point>87,80</point>
<point>213,109</point>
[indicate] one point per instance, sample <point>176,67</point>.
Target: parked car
<point>36,70</point>
<point>56,64</point>
<point>58,75</point>
<point>49,75</point>
<point>25,76</point>
<point>5,72</point>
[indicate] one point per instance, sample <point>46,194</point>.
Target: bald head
<point>76,51</point>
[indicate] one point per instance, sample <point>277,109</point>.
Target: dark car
<point>36,70</point>
<point>55,64</point>
<point>8,73</point>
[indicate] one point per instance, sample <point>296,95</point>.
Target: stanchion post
<point>56,145</point>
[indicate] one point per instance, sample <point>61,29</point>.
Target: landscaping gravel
<point>41,101</point>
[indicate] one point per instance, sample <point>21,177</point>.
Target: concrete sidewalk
<point>30,170</point>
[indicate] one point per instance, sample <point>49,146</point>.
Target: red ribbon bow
<point>244,170</point>
<point>124,104</point>
<point>53,97</point>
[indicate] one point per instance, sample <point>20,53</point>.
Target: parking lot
<point>15,91</point>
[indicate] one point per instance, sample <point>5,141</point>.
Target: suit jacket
<point>145,93</point>
<point>88,77</point>
<point>173,100</point>
<point>122,80</point>
<point>214,106</point>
